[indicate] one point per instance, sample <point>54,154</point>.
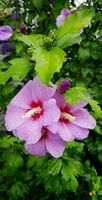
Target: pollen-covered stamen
<point>32,112</point>
<point>67,116</point>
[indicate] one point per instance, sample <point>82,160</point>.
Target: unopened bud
<point>63,86</point>
<point>23,28</point>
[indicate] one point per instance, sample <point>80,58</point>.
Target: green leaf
<point>33,40</point>
<point>70,170</point>
<point>69,39</point>
<point>18,190</point>
<point>18,70</point>
<point>49,62</point>
<point>98,130</point>
<point>54,166</point>
<point>37,3</point>
<point>95,107</point>
<point>75,146</point>
<point>69,31</point>
<point>75,94</point>
<point>83,53</point>
<point>13,160</point>
<point>35,161</point>
<point>73,184</point>
<point>7,141</point>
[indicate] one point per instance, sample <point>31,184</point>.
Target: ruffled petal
<point>53,127</point>
<point>65,132</point>
<point>84,119</point>
<point>51,112</point>
<point>77,106</point>
<point>55,145</point>
<point>29,131</point>
<point>14,117</point>
<point>60,100</point>
<point>24,98</point>
<point>78,132</point>
<point>37,149</point>
<point>41,92</point>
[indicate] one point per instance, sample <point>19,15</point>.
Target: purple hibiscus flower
<point>63,14</point>
<point>74,122</point>
<point>49,142</point>
<point>5,33</point>
<point>31,109</point>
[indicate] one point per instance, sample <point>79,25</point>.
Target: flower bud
<point>63,86</point>
<point>23,28</point>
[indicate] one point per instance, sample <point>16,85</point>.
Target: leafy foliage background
<point>78,174</point>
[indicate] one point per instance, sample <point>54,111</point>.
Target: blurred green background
<point>78,174</point>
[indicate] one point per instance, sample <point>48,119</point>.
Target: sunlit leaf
<point>69,31</point>
<point>48,62</point>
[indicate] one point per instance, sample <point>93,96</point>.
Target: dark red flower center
<point>38,109</point>
<point>44,133</point>
<point>35,111</point>
<point>66,116</point>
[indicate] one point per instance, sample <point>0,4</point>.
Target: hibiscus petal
<point>84,119</point>
<point>37,149</point>
<point>24,97</point>
<point>29,131</point>
<point>5,33</point>
<point>78,132</point>
<point>77,106</point>
<point>55,145</point>
<point>40,91</point>
<point>53,127</point>
<point>60,19</point>
<point>51,112</point>
<point>60,100</point>
<point>64,131</point>
<point>13,117</point>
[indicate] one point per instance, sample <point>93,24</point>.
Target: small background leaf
<point>18,70</point>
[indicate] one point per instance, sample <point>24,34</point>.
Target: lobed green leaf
<point>50,62</point>
<point>69,31</point>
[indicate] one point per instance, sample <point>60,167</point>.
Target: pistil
<point>67,116</point>
<point>32,112</point>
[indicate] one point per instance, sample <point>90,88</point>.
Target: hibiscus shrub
<point>50,100</point>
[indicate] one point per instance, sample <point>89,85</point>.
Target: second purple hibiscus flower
<point>74,122</point>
